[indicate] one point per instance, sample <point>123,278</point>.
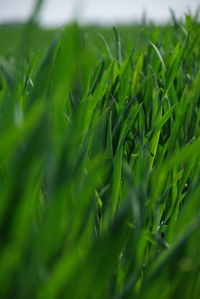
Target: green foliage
<point>99,162</point>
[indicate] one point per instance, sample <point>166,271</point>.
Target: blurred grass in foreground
<point>99,162</point>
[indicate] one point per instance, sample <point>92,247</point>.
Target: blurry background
<point>58,12</point>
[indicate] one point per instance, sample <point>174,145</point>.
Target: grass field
<point>99,162</point>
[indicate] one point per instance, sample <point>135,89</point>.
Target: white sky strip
<point>95,11</point>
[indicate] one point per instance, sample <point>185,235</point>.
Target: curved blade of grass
<point>106,46</point>
<point>174,67</point>
<point>159,55</point>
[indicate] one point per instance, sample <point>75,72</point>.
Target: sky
<point>58,12</point>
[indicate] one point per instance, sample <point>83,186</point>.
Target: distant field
<point>99,161</point>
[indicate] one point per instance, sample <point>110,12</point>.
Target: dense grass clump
<point>99,162</point>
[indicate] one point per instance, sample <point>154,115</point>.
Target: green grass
<point>99,162</point>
